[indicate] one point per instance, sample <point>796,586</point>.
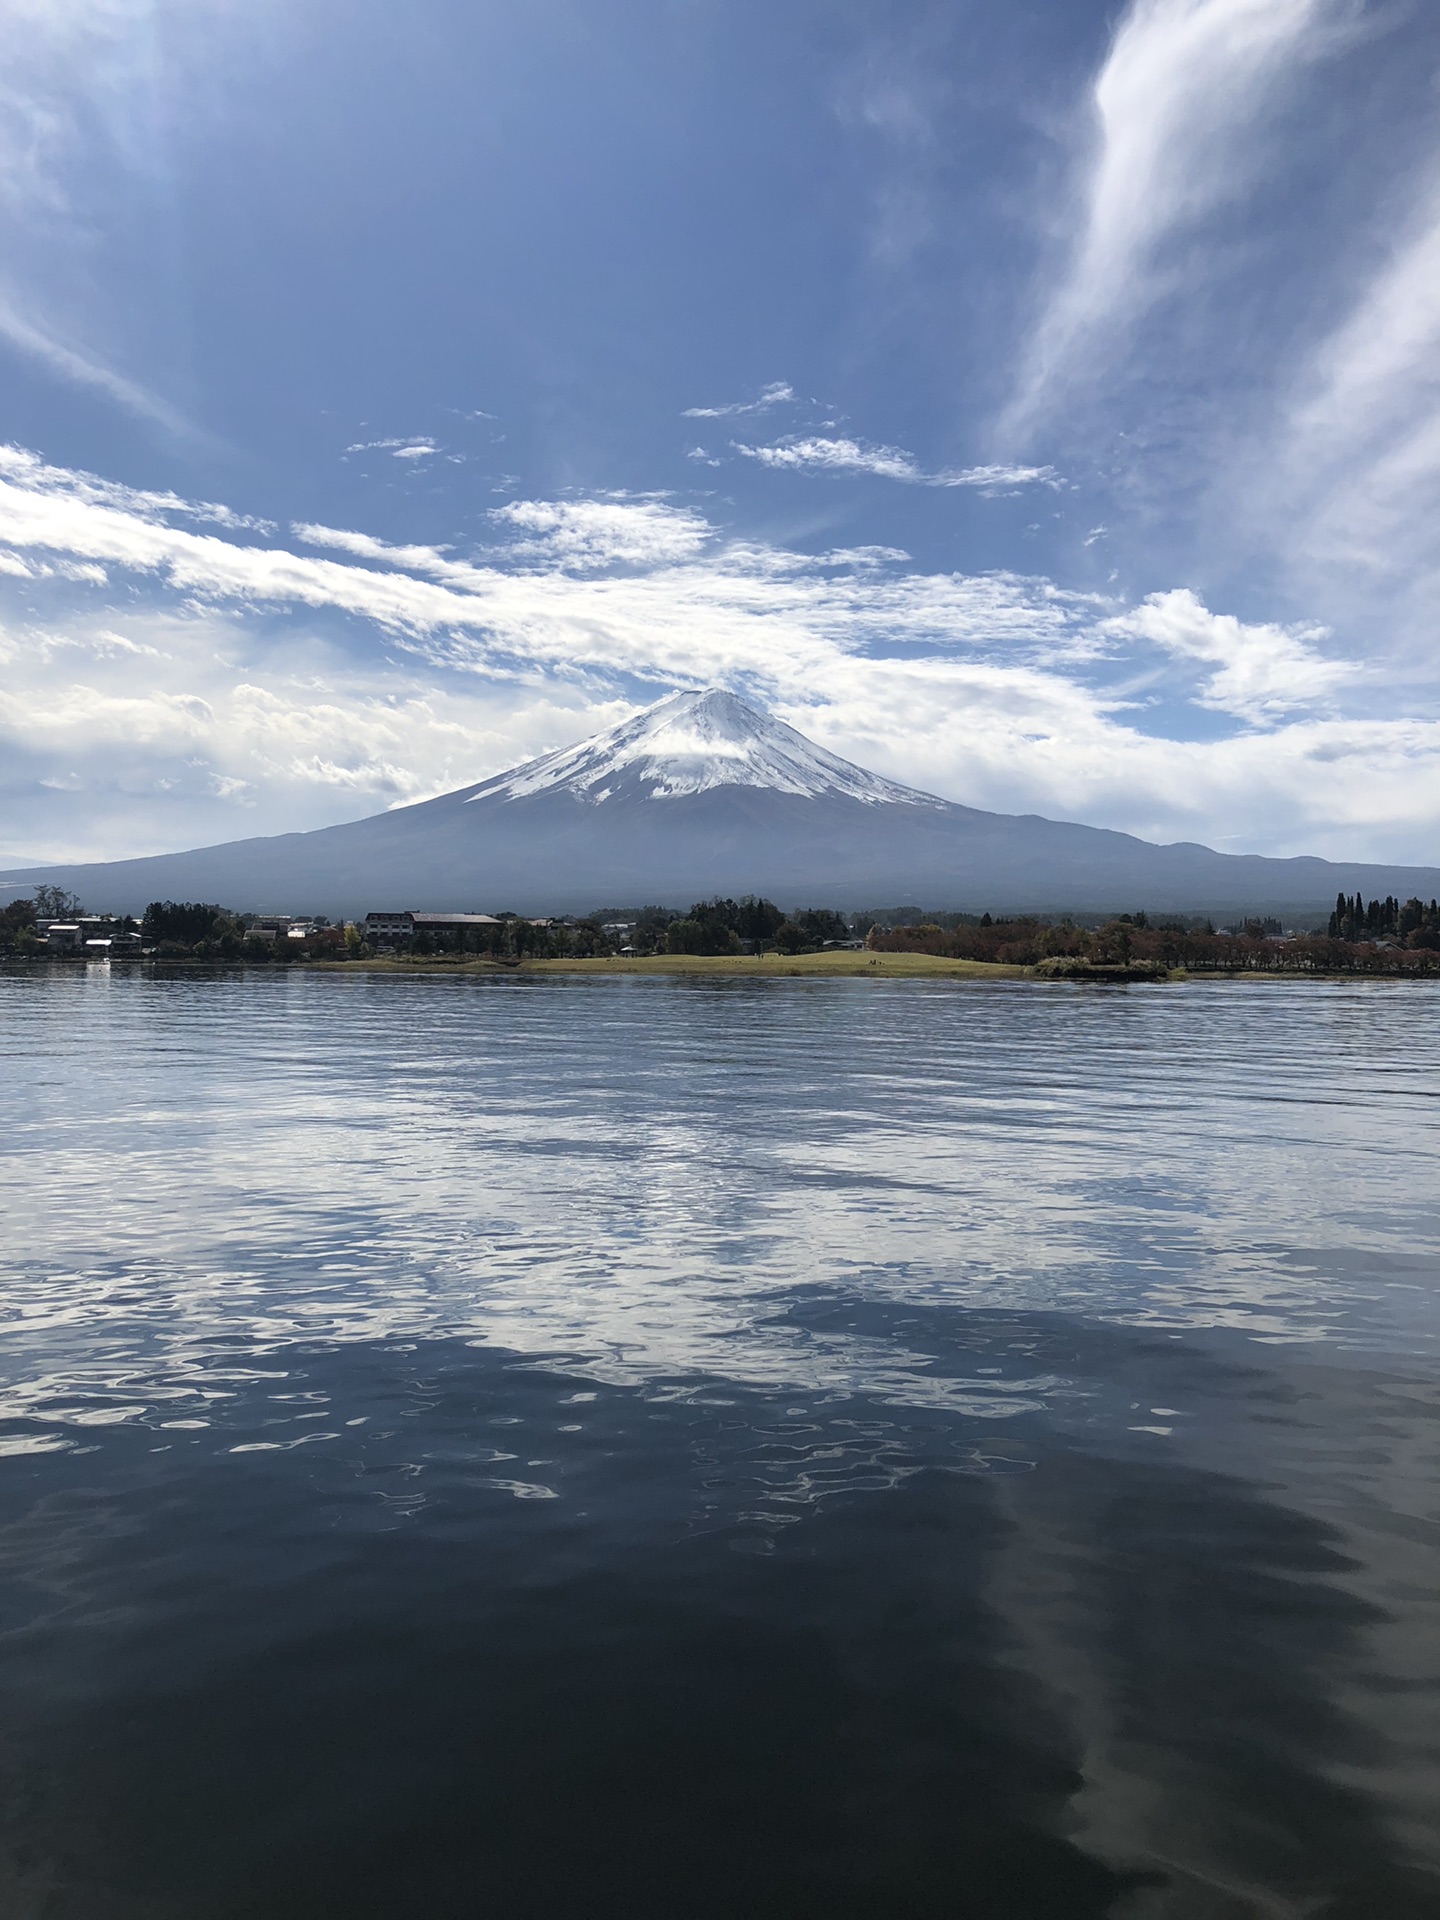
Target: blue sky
<point>1039,403</point>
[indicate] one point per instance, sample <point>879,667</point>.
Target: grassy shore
<point>830,966</point>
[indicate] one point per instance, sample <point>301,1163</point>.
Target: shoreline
<point>771,966</point>
<point>835,966</point>
<point>832,966</point>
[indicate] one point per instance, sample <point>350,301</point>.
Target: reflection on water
<point>655,1447</point>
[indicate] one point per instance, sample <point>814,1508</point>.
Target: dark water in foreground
<point>707,1448</point>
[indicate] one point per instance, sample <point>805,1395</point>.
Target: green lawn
<point>864,966</point>
<point>859,966</point>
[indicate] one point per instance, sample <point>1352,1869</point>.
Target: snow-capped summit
<point>691,743</point>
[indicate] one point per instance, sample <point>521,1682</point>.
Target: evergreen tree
<point>183,922</point>
<point>819,924</point>
<point>756,921</point>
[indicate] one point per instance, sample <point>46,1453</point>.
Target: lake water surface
<point>699,1447</point>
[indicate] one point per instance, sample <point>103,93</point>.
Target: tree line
<point>709,927</point>
<point>1257,946</point>
<point>1413,923</point>
<point>1378,936</point>
<point>203,930</point>
<point>753,925</point>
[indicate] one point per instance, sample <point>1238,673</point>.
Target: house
<point>277,926</point>
<point>97,931</point>
<point>452,922</point>
<point>387,929</point>
<point>393,929</point>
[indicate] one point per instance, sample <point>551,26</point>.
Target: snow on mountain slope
<point>691,743</point>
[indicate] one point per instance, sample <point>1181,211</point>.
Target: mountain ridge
<point>702,794</point>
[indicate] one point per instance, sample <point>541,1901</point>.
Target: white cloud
<point>415,446</point>
<point>778,394</point>
<point>434,561</point>
<point>1263,671</point>
<point>26,469</point>
<point>193,726</point>
<point>813,454</point>
<point>582,534</point>
<point>218,687</point>
<point>1180,118</point>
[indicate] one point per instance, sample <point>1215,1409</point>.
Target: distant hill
<point>702,794</point>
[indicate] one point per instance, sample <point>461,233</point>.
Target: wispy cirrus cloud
<point>586,534</point>
<point>553,582</point>
<point>1180,116</point>
<point>779,393</point>
<point>812,453</point>
<point>365,546</point>
<point>29,471</point>
<point>569,535</point>
<point>415,446</point>
<point>82,368</point>
<point>1354,466</point>
<point>79,114</point>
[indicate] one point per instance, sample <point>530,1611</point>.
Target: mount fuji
<point>703,794</point>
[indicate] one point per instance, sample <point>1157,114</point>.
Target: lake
<point>706,1447</point>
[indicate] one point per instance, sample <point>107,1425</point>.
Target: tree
<point>699,937</point>
<point>756,921</point>
<point>820,924</point>
<point>588,940</point>
<point>686,937</point>
<point>1117,941</point>
<point>54,903</point>
<point>17,925</point>
<point>719,921</point>
<point>183,922</point>
<point>650,925</point>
